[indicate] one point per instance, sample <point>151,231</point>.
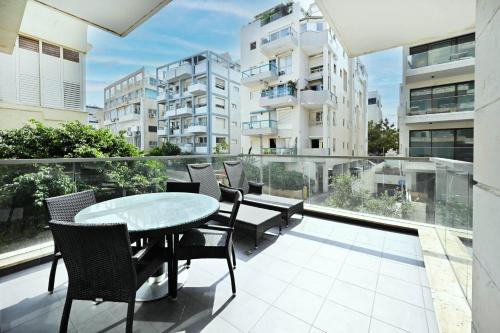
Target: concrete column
<point>486,219</point>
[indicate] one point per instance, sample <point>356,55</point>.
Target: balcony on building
<point>163,131</point>
<point>260,127</point>
<point>279,151</point>
<point>200,109</point>
<point>186,110</point>
<point>278,96</point>
<point>275,13</point>
<point>196,128</point>
<point>315,151</point>
<point>313,99</point>
<point>455,56</point>
<point>186,148</point>
<point>132,116</point>
<point>197,88</point>
<point>262,74</point>
<point>452,102</point>
<point>183,71</point>
<point>200,148</point>
<point>313,36</point>
<point>162,97</point>
<point>278,42</point>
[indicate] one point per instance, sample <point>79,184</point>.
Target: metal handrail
<point>250,124</point>
<point>270,67</point>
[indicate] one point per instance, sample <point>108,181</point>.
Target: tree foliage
<point>382,137</point>
<point>166,149</point>
<point>72,139</point>
<point>347,194</point>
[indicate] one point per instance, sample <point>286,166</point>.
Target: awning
<point>119,17</point>
<point>366,26</point>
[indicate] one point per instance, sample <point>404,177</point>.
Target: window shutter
<point>72,95</point>
<point>29,44</point>
<point>29,71</point>
<point>71,55</point>
<point>50,49</point>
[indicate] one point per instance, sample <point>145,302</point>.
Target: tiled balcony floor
<point>320,276</point>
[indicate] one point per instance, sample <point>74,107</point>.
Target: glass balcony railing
<point>279,12</point>
<point>441,105</point>
<point>442,55</point>
<point>258,70</point>
<point>449,152</point>
<point>280,91</point>
<point>278,35</point>
<point>256,124</point>
<point>437,192</point>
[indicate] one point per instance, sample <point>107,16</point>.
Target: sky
<point>186,27</point>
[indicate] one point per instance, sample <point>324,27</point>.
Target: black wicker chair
<point>183,187</point>
<point>101,266</point>
<point>64,208</point>
<point>252,193</point>
<point>213,241</point>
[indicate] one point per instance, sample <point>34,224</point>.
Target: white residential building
<point>130,107</point>
<point>94,114</point>
<point>301,94</point>
<point>43,78</point>
<point>436,113</point>
<point>199,103</point>
<point>374,107</point>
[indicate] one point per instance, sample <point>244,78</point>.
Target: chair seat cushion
<point>272,200</point>
<point>203,237</point>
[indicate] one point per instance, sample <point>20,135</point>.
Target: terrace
<point>360,266</point>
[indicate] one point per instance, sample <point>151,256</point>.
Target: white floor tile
<point>404,291</point>
<point>353,297</point>
<point>358,276</point>
<point>336,318</point>
<point>299,303</point>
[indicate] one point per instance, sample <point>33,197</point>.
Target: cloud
<point>120,60</point>
<point>96,85</point>
<point>222,7</point>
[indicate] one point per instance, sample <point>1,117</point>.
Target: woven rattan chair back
<point>204,174</point>
<point>183,187</point>
<point>236,175</point>
<point>65,207</point>
<point>98,259</point>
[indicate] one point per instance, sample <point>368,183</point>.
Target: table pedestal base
<point>157,287</point>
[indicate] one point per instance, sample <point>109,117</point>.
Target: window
<point>444,98</point>
<point>319,117</point>
<point>372,101</point>
<point>220,83</point>
<point>454,144</point>
<point>29,44</point>
<point>150,93</point>
<point>234,106</point>
<point>220,139</point>
<point>285,65</point>
<point>50,49</point>
<point>253,45</point>
<point>315,143</point>
<point>234,123</point>
<point>152,129</point>
<point>220,103</point>
<point>202,140</point>
<point>153,143</point>
<point>334,141</point>
<point>335,68</point>
<point>71,55</point>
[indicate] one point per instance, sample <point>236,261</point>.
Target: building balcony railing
<point>254,76</point>
<point>260,127</point>
<point>448,104</point>
<point>317,98</point>
<point>277,13</point>
<point>197,128</point>
<point>196,89</point>
<point>449,152</point>
<point>280,41</point>
<point>441,55</point>
<point>279,151</point>
<point>178,73</point>
<point>278,96</point>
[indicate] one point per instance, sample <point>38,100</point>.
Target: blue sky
<point>185,27</point>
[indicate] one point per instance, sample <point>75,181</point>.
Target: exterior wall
<point>95,114</point>
<point>342,129</point>
<point>486,220</point>
<point>435,75</point>
<point>374,110</point>
<point>35,85</point>
<point>129,107</point>
<point>199,103</point>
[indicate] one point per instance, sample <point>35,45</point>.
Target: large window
<point>285,65</point>
<point>442,51</point>
<point>454,97</point>
<point>456,144</point>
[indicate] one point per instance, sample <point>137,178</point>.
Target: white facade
<point>301,94</point>
<point>199,103</point>
<point>44,77</point>
<point>130,107</point>
<point>374,107</point>
<point>436,112</point>
<point>94,114</point>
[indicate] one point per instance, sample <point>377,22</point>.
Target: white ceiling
<point>11,15</point>
<point>116,16</point>
<point>366,26</point>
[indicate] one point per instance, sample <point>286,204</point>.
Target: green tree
<point>166,149</point>
<point>221,147</point>
<point>382,137</point>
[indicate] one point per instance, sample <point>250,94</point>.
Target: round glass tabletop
<point>154,212</point>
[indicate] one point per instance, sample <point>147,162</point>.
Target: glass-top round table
<point>155,215</point>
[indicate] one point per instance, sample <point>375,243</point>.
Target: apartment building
<point>43,78</point>
<point>301,94</point>
<point>374,107</point>
<point>130,108</point>
<point>436,113</point>
<point>95,115</point>
<point>199,103</point>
